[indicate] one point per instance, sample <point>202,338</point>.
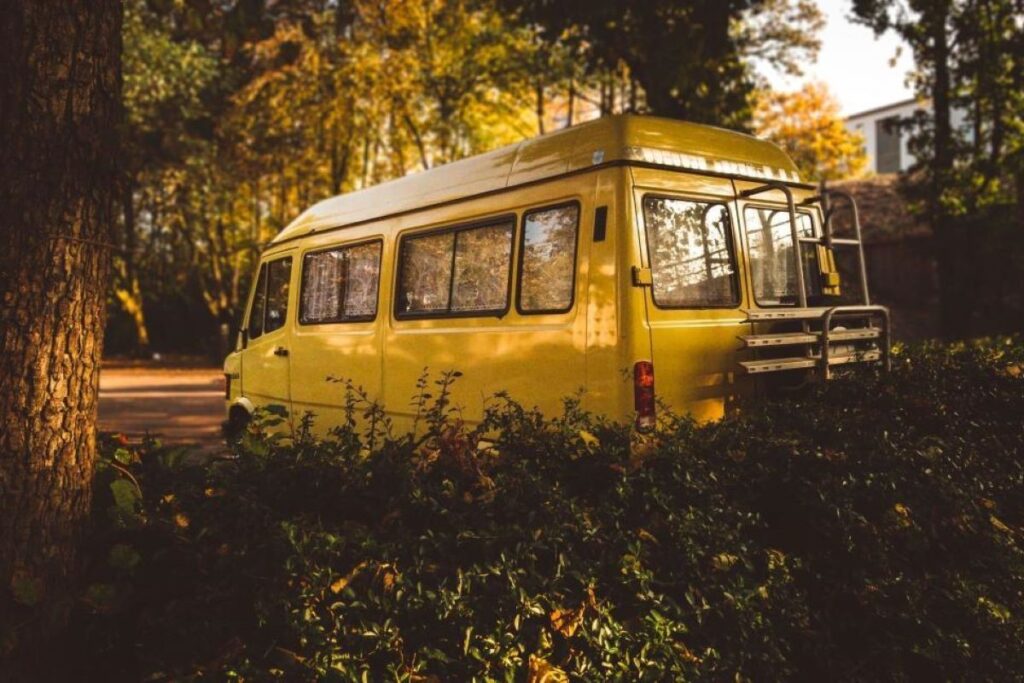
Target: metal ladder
<point>815,346</point>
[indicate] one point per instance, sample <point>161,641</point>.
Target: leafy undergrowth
<point>868,529</point>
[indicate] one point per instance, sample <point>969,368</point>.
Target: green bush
<point>867,529</point>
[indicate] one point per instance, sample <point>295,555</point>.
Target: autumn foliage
<point>807,124</point>
<point>863,530</point>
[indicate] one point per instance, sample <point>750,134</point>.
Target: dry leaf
<point>339,585</point>
<point>542,672</point>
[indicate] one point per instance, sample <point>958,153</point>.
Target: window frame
<point>379,240</point>
<point>810,212</point>
<point>502,220</point>
<point>522,258</point>
<point>266,298</point>
<point>257,291</point>
<point>264,267</point>
<point>730,247</point>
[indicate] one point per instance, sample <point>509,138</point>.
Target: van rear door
<point>691,274</point>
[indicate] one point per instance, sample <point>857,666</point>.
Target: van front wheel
<point>234,426</point>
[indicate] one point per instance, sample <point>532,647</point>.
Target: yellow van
<point>631,260</point>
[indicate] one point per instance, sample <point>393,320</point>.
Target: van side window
<point>548,263</point>
<point>340,284</point>
<point>279,274</point>
<point>259,300</point>
<point>459,272</point>
<point>691,256</point>
<point>770,239</point>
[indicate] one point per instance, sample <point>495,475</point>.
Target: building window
<point>340,284</point>
<point>690,249</point>
<point>548,268</point>
<point>887,145</point>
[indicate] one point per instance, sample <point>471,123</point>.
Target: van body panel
<point>621,312</point>
<point>330,359</point>
<point>694,346</point>
<point>606,141</point>
<point>495,353</point>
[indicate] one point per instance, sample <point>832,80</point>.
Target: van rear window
<point>770,239</point>
<point>690,247</point>
<point>463,271</point>
<point>340,284</point>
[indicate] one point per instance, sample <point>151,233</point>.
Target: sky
<point>854,64</point>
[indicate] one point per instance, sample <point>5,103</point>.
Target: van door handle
<point>280,351</point>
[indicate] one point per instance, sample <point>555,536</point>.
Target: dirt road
<point>178,406</point>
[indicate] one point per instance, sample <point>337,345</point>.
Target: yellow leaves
<point>686,654</point>
<point>567,621</point>
<point>211,492</point>
<point>776,558</point>
<point>994,609</point>
<point>808,125</point>
<point>999,526</point>
<point>1014,370</point>
<point>724,561</point>
<point>542,672</point>
<point>902,513</point>
<point>341,583</point>
<point>589,440</point>
<point>181,520</point>
<point>645,535</point>
<point>388,577</point>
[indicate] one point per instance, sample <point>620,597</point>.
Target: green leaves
<point>845,533</point>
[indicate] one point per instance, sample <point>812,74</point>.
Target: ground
<point>178,405</point>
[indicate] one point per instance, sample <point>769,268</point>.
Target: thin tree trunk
<point>572,103</point>
<point>955,302</point>
<point>129,290</point>
<point>59,107</point>
<point>540,107</point>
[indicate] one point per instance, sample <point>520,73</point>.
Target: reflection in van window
<point>456,272</point>
<point>259,300</point>
<point>340,285</point>
<point>278,278</point>
<point>770,239</point>
<point>691,253</point>
<point>549,259</point>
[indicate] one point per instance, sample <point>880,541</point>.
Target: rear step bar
<point>755,367</point>
<point>818,352</point>
<point>751,341</point>
<point>817,344</point>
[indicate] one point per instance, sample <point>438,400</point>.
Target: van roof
<point>626,138</point>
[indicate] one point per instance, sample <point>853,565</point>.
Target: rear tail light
<point>643,395</point>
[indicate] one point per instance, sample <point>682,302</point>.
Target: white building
<point>886,143</point>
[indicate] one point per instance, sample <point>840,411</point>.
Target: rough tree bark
<point>59,107</point>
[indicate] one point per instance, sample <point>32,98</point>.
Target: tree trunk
<point>59,108</point>
<point>539,94</point>
<point>955,299</point>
